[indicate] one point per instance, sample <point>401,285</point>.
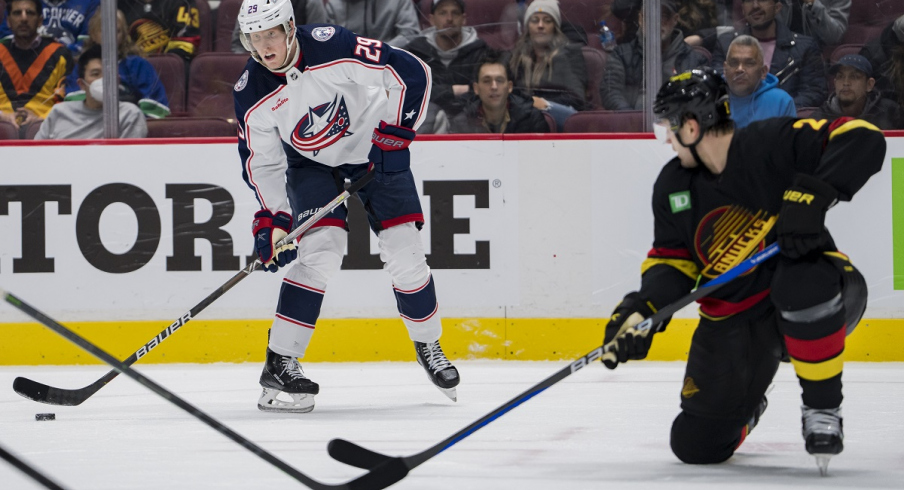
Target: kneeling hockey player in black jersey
<point>726,195</point>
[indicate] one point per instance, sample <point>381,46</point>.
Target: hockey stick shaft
<point>57,396</point>
<point>28,470</point>
<point>381,479</point>
<point>352,454</point>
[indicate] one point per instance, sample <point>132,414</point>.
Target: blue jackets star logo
<point>322,126</point>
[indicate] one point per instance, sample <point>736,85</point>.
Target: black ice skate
<point>286,389</point>
<point>823,434</point>
<point>440,371</point>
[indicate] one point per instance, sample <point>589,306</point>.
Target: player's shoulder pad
<point>323,43</point>
<point>254,82</point>
<point>673,178</point>
<point>848,125</point>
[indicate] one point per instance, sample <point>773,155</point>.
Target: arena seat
<point>31,130</point>
<point>227,12</point>
<point>190,127</point>
<point>868,17</point>
<point>171,70</point>
<point>205,20</point>
<point>8,131</point>
<point>595,64</point>
<point>422,7</point>
<point>605,122</point>
<point>842,50</point>
<point>805,112</point>
<point>705,52</point>
<point>211,78</point>
<point>496,21</point>
<point>551,122</point>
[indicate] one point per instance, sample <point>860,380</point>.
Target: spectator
<point>392,21</point>
<point>824,20</point>
<point>546,66</point>
<point>84,119</point>
<point>164,26</point>
<point>452,51</point>
<point>138,81</point>
<point>306,12</point>
<point>66,21</point>
<point>33,67</point>
<point>886,55</point>
<point>794,58</point>
<point>693,15</point>
<point>753,91</point>
<point>622,85</point>
<point>854,96</point>
<point>496,109</point>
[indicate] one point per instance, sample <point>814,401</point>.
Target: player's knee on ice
<point>700,440</point>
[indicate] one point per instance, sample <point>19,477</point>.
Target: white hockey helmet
<point>260,15</point>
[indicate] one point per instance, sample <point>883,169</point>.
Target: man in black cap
<point>452,51</point>
<point>854,96</point>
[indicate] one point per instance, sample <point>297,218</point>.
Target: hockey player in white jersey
<point>316,105</point>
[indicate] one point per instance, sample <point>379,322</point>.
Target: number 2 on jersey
<point>368,48</point>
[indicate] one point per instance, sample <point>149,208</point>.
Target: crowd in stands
<point>499,66</point>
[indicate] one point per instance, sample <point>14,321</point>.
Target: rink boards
<point>531,242</point>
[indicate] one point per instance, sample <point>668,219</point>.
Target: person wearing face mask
<point>138,81</point>
<point>85,119</point>
<point>753,91</point>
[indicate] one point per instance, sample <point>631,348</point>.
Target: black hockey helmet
<point>701,92</point>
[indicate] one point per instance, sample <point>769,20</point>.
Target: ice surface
<point>595,429</point>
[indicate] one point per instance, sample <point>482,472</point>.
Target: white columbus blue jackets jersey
<point>325,107</point>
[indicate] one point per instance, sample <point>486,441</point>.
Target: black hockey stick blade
<point>40,392</point>
<point>29,470</point>
<point>354,455</point>
<point>387,473</point>
<point>43,393</point>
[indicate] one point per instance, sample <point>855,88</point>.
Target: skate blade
<point>450,392</point>
<point>822,461</point>
<point>275,401</point>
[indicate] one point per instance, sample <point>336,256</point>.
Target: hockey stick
<point>387,474</point>
<point>40,392</point>
<point>352,454</point>
<point>28,470</point>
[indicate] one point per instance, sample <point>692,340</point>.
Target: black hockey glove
<point>628,342</point>
<point>801,223</point>
<point>389,154</point>
<point>269,229</point>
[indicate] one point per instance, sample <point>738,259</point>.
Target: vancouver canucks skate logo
<point>322,126</point>
<point>728,235</point>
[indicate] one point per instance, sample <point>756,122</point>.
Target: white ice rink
<point>595,429</point>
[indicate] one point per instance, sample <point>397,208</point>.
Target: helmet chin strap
<point>692,147</point>
<point>290,60</point>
